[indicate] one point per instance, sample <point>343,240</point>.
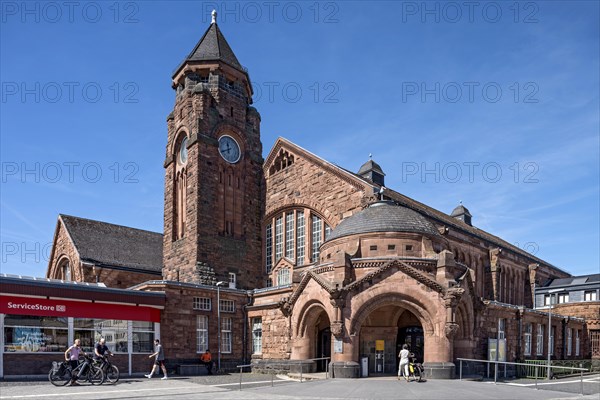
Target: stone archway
<point>313,334</point>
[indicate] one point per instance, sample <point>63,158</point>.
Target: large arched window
<point>180,184</point>
<point>296,235</point>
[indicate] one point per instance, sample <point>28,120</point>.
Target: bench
<point>192,369</point>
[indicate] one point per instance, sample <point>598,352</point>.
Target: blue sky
<point>496,106</point>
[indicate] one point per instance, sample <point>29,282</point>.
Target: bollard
<point>536,376</point>
<point>581,377</point>
<point>495,373</point>
<point>241,378</point>
<point>460,371</point>
<point>301,372</point>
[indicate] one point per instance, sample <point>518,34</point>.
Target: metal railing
<point>273,369</point>
<point>536,366</point>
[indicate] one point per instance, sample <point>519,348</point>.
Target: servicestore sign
<point>78,309</point>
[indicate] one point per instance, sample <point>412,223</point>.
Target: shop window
<point>227,306</point>
<point>202,303</point>
<point>590,296</point>
<point>528,332</point>
<point>256,335</point>
<point>201,333</point>
<point>143,337</point>
<point>226,335</point>
<point>32,334</point>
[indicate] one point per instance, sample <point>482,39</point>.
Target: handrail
<point>271,366</point>
<point>536,366</point>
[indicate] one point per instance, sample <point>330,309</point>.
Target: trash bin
<point>364,367</point>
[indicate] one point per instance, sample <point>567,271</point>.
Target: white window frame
<point>289,235</point>
<point>278,238</point>
<point>563,298</point>
<point>527,339</point>
<point>226,335</point>
<point>269,248</point>
<point>232,280</point>
<point>257,335</point>
<point>569,341</point>
<point>201,333</point>
<point>577,342</point>
<point>501,328</point>
<point>590,295</point>
<point>202,303</point>
<point>227,306</point>
<point>539,340</point>
<point>301,237</point>
<point>317,237</point>
<point>283,276</point>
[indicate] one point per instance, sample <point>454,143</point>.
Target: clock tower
<point>213,171</point>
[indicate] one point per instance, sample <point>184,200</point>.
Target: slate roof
<point>212,47</point>
<point>370,166</point>
<point>384,216</point>
<point>460,210</point>
<point>109,245</point>
<point>575,280</point>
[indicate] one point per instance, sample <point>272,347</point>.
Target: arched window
<point>180,184</point>
<point>296,235</point>
<point>66,271</point>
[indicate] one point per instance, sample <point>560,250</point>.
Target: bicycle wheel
<point>59,377</point>
<point>95,375</point>
<point>112,374</point>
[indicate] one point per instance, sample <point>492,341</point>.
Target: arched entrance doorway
<point>323,341</point>
<point>383,333</point>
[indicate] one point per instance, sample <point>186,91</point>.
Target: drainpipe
<point>245,335</point>
<point>520,336</point>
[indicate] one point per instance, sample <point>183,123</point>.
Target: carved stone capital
<point>451,329</point>
<point>452,297</point>
<point>285,307</point>
<point>337,329</point>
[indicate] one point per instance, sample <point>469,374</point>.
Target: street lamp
<point>550,293</point>
<point>219,284</point>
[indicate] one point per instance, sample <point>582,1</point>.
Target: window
<point>227,306</point>
<point>30,334</point>
<point>143,337</point>
<point>289,235</point>
<point>373,247</point>
<point>595,342</point>
<point>269,248</point>
<point>256,335</point>
<point>563,298</point>
<point>316,237</point>
<point>577,342</point>
<point>269,282</point>
<point>539,340</point>
<point>408,247</point>
<point>278,238</point>
<point>590,296</point>
<point>84,330</point>
<point>391,247</point>
<point>226,337</point>
<point>569,341</point>
<point>201,333</point>
<point>547,299</point>
<point>552,332</point>
<point>66,272</point>
<point>202,303</point>
<point>300,241</point>
<point>327,232</point>
<point>232,280</point>
<point>528,332</point>
<point>501,328</point>
<point>283,277</point>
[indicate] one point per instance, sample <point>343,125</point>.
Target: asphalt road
<point>259,387</point>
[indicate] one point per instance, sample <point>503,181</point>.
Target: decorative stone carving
<point>337,329</point>
<point>451,329</point>
<point>452,296</point>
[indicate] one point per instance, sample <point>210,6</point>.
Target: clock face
<point>183,151</point>
<point>229,149</point>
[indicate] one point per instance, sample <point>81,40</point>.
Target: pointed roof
<point>212,47</point>
<point>370,166</point>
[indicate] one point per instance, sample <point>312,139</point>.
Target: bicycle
<point>111,372</point>
<point>415,369</point>
<point>61,373</point>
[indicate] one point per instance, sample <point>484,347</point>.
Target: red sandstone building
<point>287,259</point>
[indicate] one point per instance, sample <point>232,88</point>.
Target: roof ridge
<point>109,223</point>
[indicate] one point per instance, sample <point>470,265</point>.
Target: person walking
<point>403,355</point>
<point>72,356</point>
<point>159,360</point>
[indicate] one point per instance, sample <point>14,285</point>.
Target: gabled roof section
<point>213,47</point>
<point>111,245</point>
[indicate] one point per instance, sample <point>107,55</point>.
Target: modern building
<point>291,258</point>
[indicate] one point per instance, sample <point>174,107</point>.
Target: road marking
<point>87,393</point>
<point>244,383</point>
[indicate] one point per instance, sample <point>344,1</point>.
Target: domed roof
<point>384,216</point>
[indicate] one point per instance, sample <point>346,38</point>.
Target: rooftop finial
<point>370,156</point>
<point>460,201</point>
<point>214,16</point>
